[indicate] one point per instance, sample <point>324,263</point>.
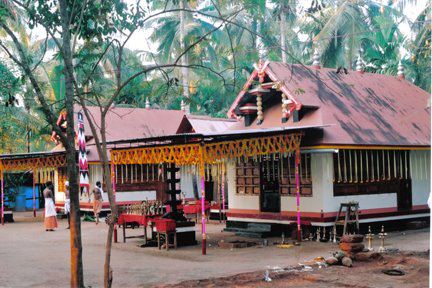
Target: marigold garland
<point>36,163</point>
<point>192,154</point>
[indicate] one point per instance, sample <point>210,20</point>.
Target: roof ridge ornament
<point>316,57</point>
<point>260,67</point>
<point>360,65</point>
<point>182,106</point>
<point>401,71</point>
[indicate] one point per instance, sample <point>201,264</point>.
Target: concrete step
<point>231,229</point>
<point>259,227</point>
<point>250,234</point>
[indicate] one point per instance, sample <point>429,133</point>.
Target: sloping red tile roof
<point>136,123</point>
<point>204,124</point>
<point>131,123</point>
<point>360,109</point>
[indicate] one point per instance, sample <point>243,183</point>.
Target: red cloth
<point>216,206</point>
<point>179,207</point>
<point>165,225</point>
<point>195,208</point>
<point>129,218</point>
<point>154,218</point>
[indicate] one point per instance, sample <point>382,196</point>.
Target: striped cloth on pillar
<point>82,155</point>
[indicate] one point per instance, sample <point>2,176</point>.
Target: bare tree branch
<point>24,65</point>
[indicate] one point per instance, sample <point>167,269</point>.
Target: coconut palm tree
<point>420,50</point>
<point>336,27</point>
<point>382,45</point>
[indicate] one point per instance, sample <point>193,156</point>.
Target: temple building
<point>135,183</point>
<point>373,147</point>
<point>299,142</point>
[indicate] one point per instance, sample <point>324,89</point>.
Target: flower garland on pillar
<point>297,178</point>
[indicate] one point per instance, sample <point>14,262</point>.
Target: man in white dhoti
<point>67,203</point>
<point>50,221</point>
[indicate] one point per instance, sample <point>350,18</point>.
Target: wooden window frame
<point>249,176</point>
<point>369,172</point>
<point>305,172</point>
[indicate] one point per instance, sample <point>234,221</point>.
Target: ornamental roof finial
<point>360,65</point>
<point>401,71</point>
<point>260,64</point>
<point>316,59</point>
<point>182,106</point>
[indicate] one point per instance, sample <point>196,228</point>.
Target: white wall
<point>134,196</point>
<point>420,176</point>
<point>320,184</point>
<point>95,174</point>
<point>372,201</point>
<point>186,184</point>
<point>288,203</point>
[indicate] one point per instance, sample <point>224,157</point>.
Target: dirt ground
<point>31,257</point>
<point>361,275</point>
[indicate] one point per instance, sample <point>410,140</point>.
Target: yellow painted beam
<point>368,147</point>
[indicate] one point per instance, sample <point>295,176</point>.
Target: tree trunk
<point>111,198</point>
<point>77,278</point>
<point>184,59</point>
<point>106,172</point>
<point>282,24</point>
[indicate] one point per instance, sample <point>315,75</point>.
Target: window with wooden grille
<point>358,172</point>
<point>288,181</point>
<point>251,173</point>
<point>132,177</point>
<point>248,177</point>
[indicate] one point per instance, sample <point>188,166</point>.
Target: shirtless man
<point>67,203</point>
<point>97,200</point>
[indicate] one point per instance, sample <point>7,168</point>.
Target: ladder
<point>351,216</point>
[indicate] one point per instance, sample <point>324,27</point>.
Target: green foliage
<point>9,84</point>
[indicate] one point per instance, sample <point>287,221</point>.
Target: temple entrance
<point>404,196</point>
<point>270,198</point>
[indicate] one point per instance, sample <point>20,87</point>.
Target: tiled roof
<point>356,108</point>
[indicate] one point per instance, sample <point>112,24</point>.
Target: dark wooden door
<point>404,195</point>
<point>270,196</point>
<point>209,190</point>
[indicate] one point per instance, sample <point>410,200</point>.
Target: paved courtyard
<point>32,257</point>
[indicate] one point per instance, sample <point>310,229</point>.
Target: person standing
<point>97,200</point>
<point>50,220</point>
<point>67,203</point>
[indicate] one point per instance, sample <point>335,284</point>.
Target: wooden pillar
<point>34,194</point>
<point>297,178</point>
<point>223,188</point>
<point>113,181</point>
<point>203,216</point>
